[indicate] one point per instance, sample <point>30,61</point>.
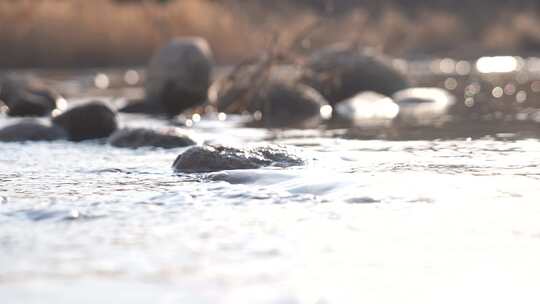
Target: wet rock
<point>91,120</point>
<point>278,104</point>
<point>288,105</point>
<point>31,130</point>
<point>178,75</point>
<point>340,71</point>
<point>218,158</point>
<point>23,99</point>
<point>423,106</point>
<point>235,91</point>
<point>366,109</point>
<point>139,106</point>
<point>140,137</point>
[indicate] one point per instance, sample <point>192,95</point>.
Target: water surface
<point>374,221</point>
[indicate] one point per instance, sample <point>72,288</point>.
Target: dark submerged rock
<point>31,130</point>
<point>218,158</point>
<point>341,71</point>
<point>22,99</point>
<point>178,75</point>
<point>88,121</point>
<point>139,137</point>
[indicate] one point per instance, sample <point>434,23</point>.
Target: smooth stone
<point>288,105</point>
<point>341,71</point>
<point>178,75</point>
<point>276,103</point>
<point>233,92</point>
<point>367,109</point>
<point>140,137</point>
<point>22,99</point>
<point>91,120</point>
<point>31,130</point>
<point>200,159</point>
<point>423,106</point>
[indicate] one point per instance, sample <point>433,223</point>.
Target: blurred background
<point>81,33</point>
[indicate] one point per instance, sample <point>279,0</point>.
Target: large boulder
<point>23,99</point>
<point>218,158</point>
<point>91,120</point>
<point>31,130</point>
<point>341,71</point>
<point>423,106</point>
<point>140,137</point>
<point>179,75</point>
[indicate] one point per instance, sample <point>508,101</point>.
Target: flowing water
<point>364,221</point>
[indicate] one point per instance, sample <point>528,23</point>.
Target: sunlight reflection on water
<point>378,221</point>
<point>445,221</point>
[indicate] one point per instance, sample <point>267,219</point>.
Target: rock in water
<point>22,99</point>
<point>178,75</point>
<point>339,72</point>
<point>139,137</point>
<point>31,130</point>
<point>423,106</point>
<point>367,109</point>
<point>280,103</point>
<point>88,121</point>
<point>288,105</point>
<point>217,158</point>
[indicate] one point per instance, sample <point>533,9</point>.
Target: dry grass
<point>101,32</point>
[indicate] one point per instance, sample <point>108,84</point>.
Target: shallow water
<point>374,221</point>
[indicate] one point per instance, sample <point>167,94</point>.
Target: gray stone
<point>276,103</point>
<point>140,137</point>
<point>235,91</point>
<point>23,99</point>
<point>31,130</point>
<point>91,120</point>
<point>179,75</point>
<point>288,105</point>
<point>340,71</point>
<point>218,158</point>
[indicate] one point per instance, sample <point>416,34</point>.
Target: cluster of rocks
<point>179,77</point>
<point>350,85</point>
<point>92,120</point>
<point>343,83</point>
